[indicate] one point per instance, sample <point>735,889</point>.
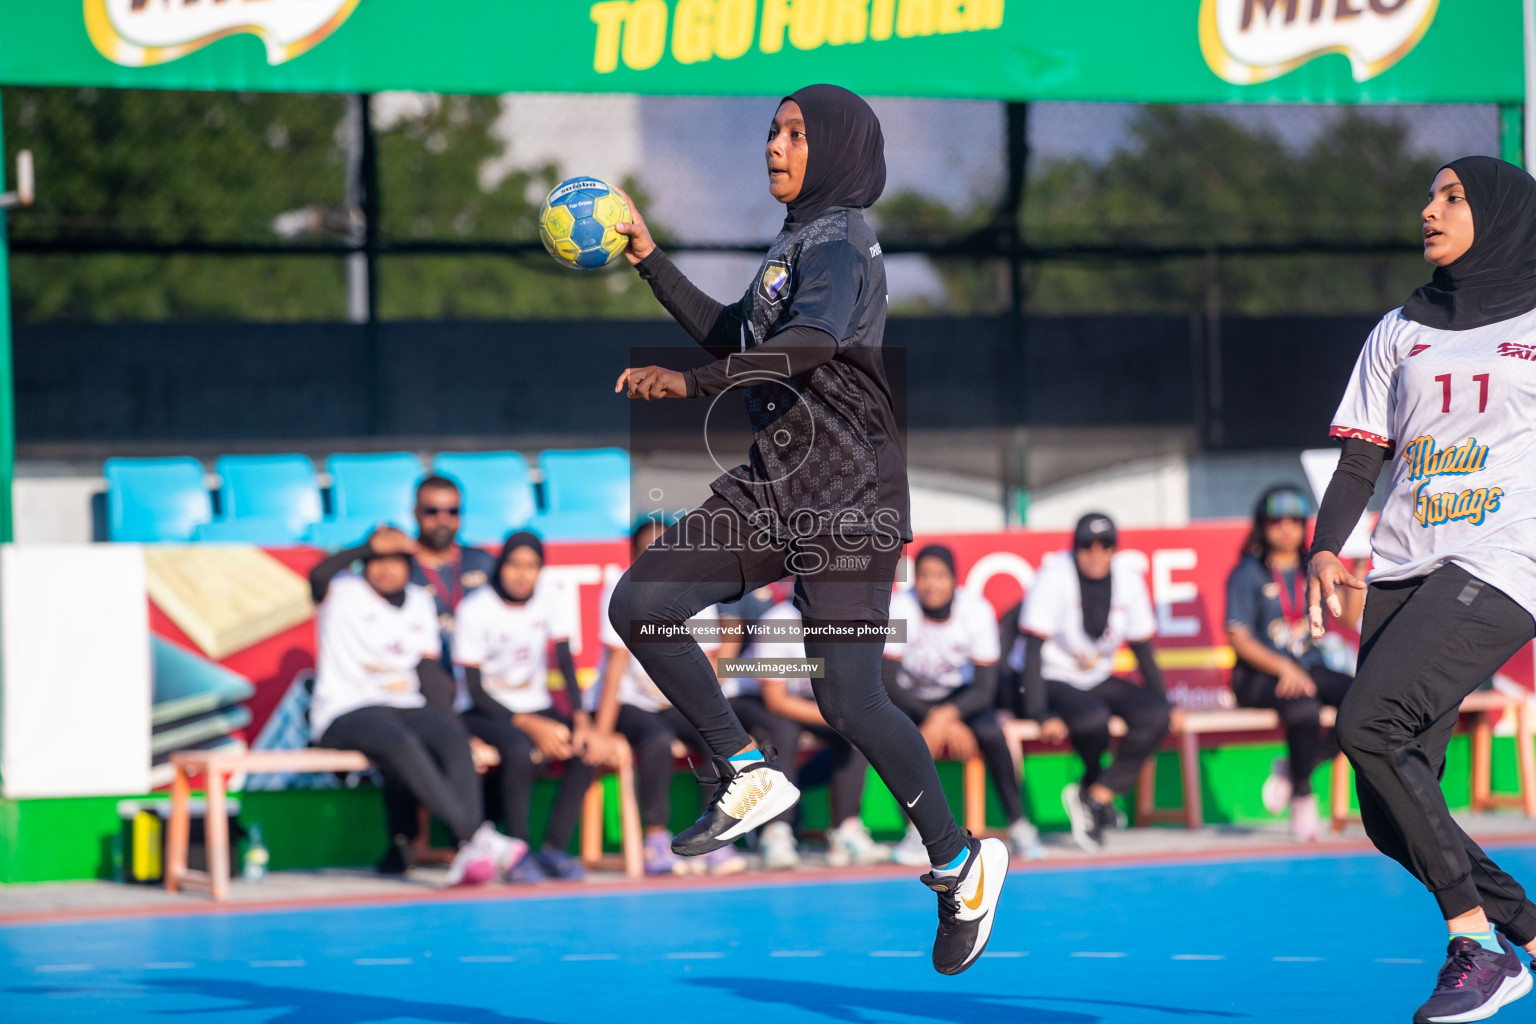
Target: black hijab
<point>846,162</point>
<point>1495,279</point>
<point>520,539</point>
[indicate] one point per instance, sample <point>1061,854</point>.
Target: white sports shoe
<point>780,853</point>
<point>487,856</point>
<point>967,900</point>
<point>748,795</point>
<point>911,852</point>
<point>1024,840</point>
<point>1278,790</point>
<point>850,843</point>
<point>1304,826</point>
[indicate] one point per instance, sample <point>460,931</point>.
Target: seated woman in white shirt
<point>380,687</point>
<point>627,702</point>
<point>502,636</point>
<point>1083,606</point>
<point>944,676</point>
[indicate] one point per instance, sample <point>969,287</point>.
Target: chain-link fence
<point>166,205</point>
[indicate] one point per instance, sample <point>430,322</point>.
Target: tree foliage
<point>166,167</point>
<point>1193,178</point>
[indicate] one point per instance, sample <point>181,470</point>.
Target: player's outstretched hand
<point>1325,574</point>
<point>641,244</point>
<point>650,382</point>
<point>387,540</point>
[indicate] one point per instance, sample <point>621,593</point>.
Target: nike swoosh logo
<point>981,885</point>
<point>916,799</point>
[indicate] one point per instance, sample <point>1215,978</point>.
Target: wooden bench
<point>1479,706</point>
<point>630,834</point>
<point>215,767</point>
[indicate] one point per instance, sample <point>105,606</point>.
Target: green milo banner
<point>1147,50</point>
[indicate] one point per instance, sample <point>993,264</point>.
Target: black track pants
<point>1087,714</point>
<point>514,780</point>
<point>701,560</point>
<point>1425,644</point>
<point>421,750</point>
<point>1307,743</point>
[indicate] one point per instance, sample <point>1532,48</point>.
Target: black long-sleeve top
<point>803,345</point>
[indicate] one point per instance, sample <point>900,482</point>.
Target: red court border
<point>750,880</point>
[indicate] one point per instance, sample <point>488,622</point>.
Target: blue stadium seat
<point>259,530</point>
<point>366,490</point>
<point>586,494</point>
<point>497,490</point>
<point>342,533</point>
<point>278,494</point>
<point>156,499</point>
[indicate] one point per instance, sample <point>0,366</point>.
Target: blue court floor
<point>1315,939</point>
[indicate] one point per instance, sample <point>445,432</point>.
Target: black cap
<point>1095,526</point>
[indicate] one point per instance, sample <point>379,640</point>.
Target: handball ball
<point>576,223</point>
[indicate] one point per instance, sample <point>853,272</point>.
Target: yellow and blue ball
<point>576,223</point>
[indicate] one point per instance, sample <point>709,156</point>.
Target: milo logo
<point>140,33</point>
<point>1251,41</point>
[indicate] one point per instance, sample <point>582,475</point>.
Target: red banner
<point>1185,568</point>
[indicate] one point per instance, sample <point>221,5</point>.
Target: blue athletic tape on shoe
<point>745,756</point>
<point>957,863</point>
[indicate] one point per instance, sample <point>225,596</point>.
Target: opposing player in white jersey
<point>944,676</point>
<point>503,633</point>
<point>1083,606</point>
<point>1446,388</point>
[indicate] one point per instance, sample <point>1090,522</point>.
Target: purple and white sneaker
<point>659,858</point>
<point>1474,983</point>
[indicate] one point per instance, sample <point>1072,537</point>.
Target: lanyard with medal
<point>1299,634</point>
<point>439,583</point>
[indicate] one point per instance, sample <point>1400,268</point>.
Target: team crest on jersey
<point>775,280</point>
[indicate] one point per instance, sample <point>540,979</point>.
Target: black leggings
<point>1425,644</point>
<point>650,735</point>
<point>420,750</point>
<point>1087,714</point>
<point>702,560</point>
<point>514,779</point>
<point>984,726</point>
<point>839,766</point>
<point>1308,744</point>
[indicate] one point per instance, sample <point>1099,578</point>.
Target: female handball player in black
<point>1446,388</point>
<point>825,486</point>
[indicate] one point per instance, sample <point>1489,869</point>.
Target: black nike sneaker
<point>1474,983</point>
<point>399,858</point>
<point>748,795</point>
<point>966,903</point>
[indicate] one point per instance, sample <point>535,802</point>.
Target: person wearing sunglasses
<point>1082,607</point>
<point>447,569</point>
<point>1279,665</point>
